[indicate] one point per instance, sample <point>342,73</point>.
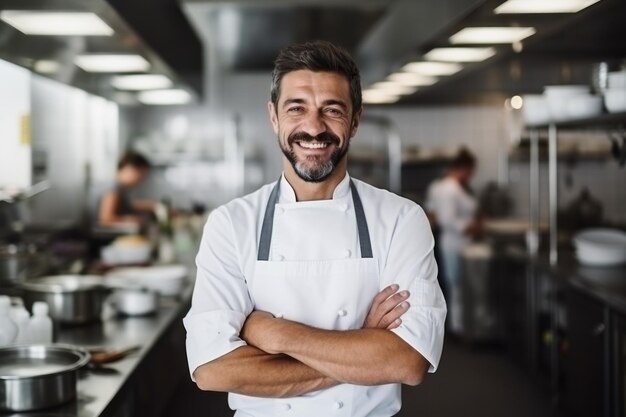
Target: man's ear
<point>271,109</point>
<point>356,120</point>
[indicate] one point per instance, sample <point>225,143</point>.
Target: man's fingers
<point>393,315</point>
<point>393,301</point>
<point>384,294</point>
<point>396,323</point>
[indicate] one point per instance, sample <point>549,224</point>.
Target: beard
<point>314,169</point>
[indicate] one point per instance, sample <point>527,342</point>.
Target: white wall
<point>15,153</point>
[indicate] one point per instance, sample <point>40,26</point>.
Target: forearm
<point>251,371</point>
<point>364,357</point>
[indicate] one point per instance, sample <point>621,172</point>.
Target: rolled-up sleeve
<point>221,301</point>
<point>411,264</point>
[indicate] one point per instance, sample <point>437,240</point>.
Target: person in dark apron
<point>116,206</point>
<point>317,294</point>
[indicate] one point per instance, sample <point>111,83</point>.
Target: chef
<point>453,207</point>
<point>317,294</point>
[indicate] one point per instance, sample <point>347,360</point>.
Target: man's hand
<point>256,331</point>
<point>387,308</point>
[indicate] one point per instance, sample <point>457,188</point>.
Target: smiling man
<point>317,294</point>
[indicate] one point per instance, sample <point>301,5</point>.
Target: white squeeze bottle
<point>22,320</point>
<point>40,326</point>
<point>8,330</point>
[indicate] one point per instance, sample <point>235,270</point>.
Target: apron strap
<point>361,223</point>
<point>268,224</point>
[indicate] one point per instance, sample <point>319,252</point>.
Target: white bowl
<point>601,247</point>
<point>121,255</point>
<point>583,106</point>
<point>557,97</point>
<point>615,100</point>
<point>617,80</point>
<point>135,301</point>
<point>164,279</point>
<point>535,110</point>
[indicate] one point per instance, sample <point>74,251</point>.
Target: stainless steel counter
<point>141,381</point>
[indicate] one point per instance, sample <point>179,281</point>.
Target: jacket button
<point>279,316</point>
<point>342,313</point>
<point>343,207</point>
<point>347,253</point>
<point>280,257</point>
<point>286,407</point>
<point>337,405</point>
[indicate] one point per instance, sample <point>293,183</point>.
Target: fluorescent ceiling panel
<point>460,54</point>
<point>491,35</point>
<point>412,79</point>
<point>393,88</point>
<point>141,82</point>
<point>56,23</point>
<point>379,97</point>
<point>164,97</point>
<point>46,66</point>
<point>112,63</point>
<point>432,69</point>
<point>543,6</point>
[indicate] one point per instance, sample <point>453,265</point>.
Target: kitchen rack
<point>606,121</point>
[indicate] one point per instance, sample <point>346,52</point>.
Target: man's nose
<point>314,124</point>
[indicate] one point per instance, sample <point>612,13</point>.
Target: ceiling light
<point>460,54</point>
<point>517,102</point>
<point>56,23</point>
<point>543,6</point>
<point>164,97</point>
<point>372,96</point>
<point>112,63</point>
<point>411,79</point>
<point>393,88</point>
<point>46,66</point>
<point>433,69</point>
<point>491,35</point>
<point>141,82</point>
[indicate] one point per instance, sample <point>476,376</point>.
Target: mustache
<point>324,137</point>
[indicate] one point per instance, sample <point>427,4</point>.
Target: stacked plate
<point>601,247</point>
<point>166,280</point>
<point>615,95</point>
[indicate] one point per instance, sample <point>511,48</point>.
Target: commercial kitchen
<point>532,93</point>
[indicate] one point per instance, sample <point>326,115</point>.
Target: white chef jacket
<point>455,210</point>
<point>401,241</point>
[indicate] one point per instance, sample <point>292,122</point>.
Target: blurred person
<point>452,208</point>
<point>116,206</point>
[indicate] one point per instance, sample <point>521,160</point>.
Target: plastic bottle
<point>39,329</point>
<point>21,317</point>
<point>8,330</point>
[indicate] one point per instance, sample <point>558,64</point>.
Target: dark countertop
<point>98,389</point>
<point>605,284</point>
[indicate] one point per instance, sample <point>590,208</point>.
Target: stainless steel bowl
<point>73,299</point>
<point>19,262</point>
<point>34,377</point>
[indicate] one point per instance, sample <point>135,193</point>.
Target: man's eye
<point>334,112</point>
<point>295,110</point>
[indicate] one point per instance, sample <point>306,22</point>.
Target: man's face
<point>314,121</point>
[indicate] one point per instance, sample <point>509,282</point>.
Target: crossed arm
<point>285,358</point>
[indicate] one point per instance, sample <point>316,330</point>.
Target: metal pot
<point>19,262</point>
<point>34,377</point>
<point>72,299</point>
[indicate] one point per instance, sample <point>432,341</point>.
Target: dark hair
<point>464,159</point>
<point>317,56</point>
<point>134,159</point>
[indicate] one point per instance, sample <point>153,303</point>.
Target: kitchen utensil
<point>134,301</point>
<point>535,110</point>
<point>73,299</point>
<point>20,261</point>
<point>615,100</point>
<point>583,106</point>
<point>600,247</point>
<point>34,377</point>
<point>104,356</point>
<point>164,279</point>
<point>557,97</point>
<point>617,80</point>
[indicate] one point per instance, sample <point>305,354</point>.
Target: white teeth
<point>311,145</point>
